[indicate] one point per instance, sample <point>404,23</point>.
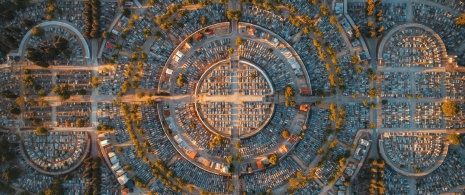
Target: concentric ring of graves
<point>56,153</point>
<point>74,50</point>
<point>413,154</point>
<point>234,96</point>
<point>266,65</point>
<point>412,45</point>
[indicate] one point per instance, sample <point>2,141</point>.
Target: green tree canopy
<point>95,82</point>
<point>80,122</point>
<point>11,174</point>
<point>460,20</point>
<point>289,92</point>
<point>273,159</point>
<point>450,108</point>
<point>285,134</point>
<point>15,111</point>
<point>41,131</point>
<point>181,80</point>
<point>38,31</point>
<point>62,91</point>
<point>454,138</point>
<point>239,41</point>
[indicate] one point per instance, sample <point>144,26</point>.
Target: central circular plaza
<point>230,103</point>
<point>234,96</point>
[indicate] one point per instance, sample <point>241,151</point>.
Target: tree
<point>41,93</point>
<point>181,80</point>
<point>324,10</point>
<point>273,159</point>
<point>229,159</point>
<point>38,31</point>
<point>62,91</point>
<point>105,35</point>
<point>135,16</point>
<point>131,23</point>
<point>384,102</point>
<point>27,23</point>
<point>231,188</point>
<point>190,188</point>
<point>372,93</point>
<point>80,122</point>
<point>285,134</point>
<point>238,157</point>
<point>253,76</point>
<point>306,30</point>
<point>140,94</point>
<point>41,131</point>
<point>300,175</point>
<point>454,138</point>
<point>169,132</point>
<point>203,20</point>
<point>20,101</point>
<point>333,144</point>
<point>293,184</point>
<point>15,111</point>
<point>332,79</point>
<point>125,86</point>
<point>460,20</point>
<point>9,94</point>
<point>380,29</point>
<point>371,34</point>
<point>230,50</point>
<point>369,8</point>
<point>119,149</point>
<point>104,127</point>
<point>289,92</point>
<point>6,154</point>
<point>28,80</point>
<point>333,20</point>
<point>238,145</point>
<point>56,188</point>
<point>355,60</point>
<point>450,109</point>
<point>342,162</point>
<point>11,174</point>
<point>95,82</point>
<point>239,41</point>
<point>126,31</point>
<point>61,44</point>
<point>236,15</point>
